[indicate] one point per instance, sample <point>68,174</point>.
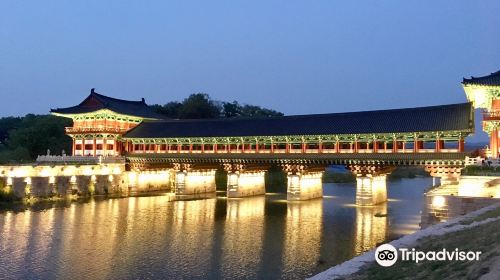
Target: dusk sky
<point>297,57</point>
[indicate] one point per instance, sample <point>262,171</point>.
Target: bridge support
<point>62,185</point>
<point>304,182</point>
<point>40,187</point>
<point>448,173</point>
<point>191,179</point>
<point>21,186</point>
<point>245,180</point>
<point>83,184</point>
<point>371,183</point>
<point>371,190</point>
<point>144,181</point>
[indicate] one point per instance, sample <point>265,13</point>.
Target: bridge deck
<point>329,159</point>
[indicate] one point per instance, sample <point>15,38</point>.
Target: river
<point>151,237</point>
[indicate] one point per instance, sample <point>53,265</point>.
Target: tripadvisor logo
<point>387,255</point>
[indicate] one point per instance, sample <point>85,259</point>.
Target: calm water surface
<point>262,237</point>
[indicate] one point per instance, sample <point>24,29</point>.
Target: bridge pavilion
<point>369,143</point>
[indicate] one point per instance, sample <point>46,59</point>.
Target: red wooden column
<point>385,146</point>
<point>303,147</point>
<point>203,148</point>
<point>190,148</point>
<point>287,147</point>
<point>356,146</point>
<point>178,147</point>
<point>461,144</point>
<point>438,147</point>
<point>272,147</point>
<point>337,147</point>
<point>155,148</point>
<point>494,143</point>
<point>94,146</point>
<point>320,147</point>
<point>104,147</point>
<point>257,147</point>
<point>144,147</point>
<point>394,146</point>
<point>73,149</point>
<point>375,148</point>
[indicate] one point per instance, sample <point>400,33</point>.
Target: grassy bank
<point>334,176</point>
<point>484,238</point>
<point>481,171</point>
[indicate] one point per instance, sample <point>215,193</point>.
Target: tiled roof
<point>491,80</point>
<point>96,101</point>
<point>436,118</point>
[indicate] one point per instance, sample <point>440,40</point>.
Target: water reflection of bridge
<point>223,237</point>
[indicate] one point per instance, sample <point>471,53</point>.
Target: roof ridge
<point>103,97</point>
<point>312,115</point>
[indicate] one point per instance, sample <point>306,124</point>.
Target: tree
<point>37,133</point>
<point>7,124</point>
<point>231,110</point>
<point>199,106</point>
<point>256,111</point>
<point>171,109</point>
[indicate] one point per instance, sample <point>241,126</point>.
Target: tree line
<point>201,106</point>
<point>22,139</point>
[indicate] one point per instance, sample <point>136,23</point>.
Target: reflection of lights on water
<point>371,229</point>
<point>438,201</point>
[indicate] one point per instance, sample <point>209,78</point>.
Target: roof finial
<point>92,90</point>
<point>143,100</point>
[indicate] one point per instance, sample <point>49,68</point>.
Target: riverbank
<point>476,231</point>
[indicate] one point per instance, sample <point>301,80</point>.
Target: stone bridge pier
<point>449,173</point>
<point>194,178</point>
<point>371,183</point>
<point>39,186</point>
<point>84,184</point>
<point>245,179</point>
<point>304,182</point>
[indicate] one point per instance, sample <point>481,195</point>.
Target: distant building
<point>484,92</point>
